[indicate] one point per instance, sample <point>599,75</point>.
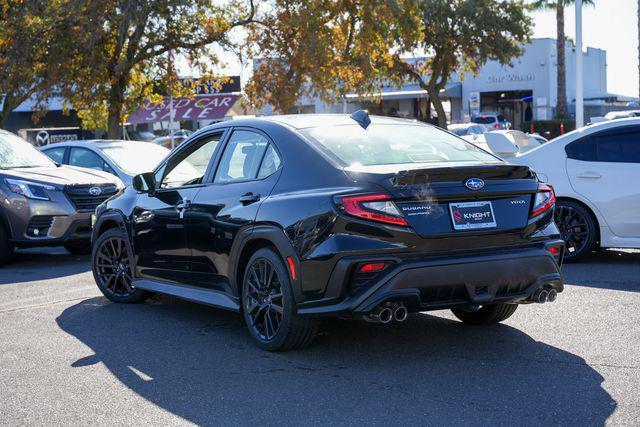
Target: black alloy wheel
<point>577,229</point>
<point>268,305</point>
<point>112,269</point>
<point>263,300</point>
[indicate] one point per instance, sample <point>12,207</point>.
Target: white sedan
<point>595,172</point>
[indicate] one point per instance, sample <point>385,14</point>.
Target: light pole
<point>579,85</point>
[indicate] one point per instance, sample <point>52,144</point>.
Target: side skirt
<point>190,293</point>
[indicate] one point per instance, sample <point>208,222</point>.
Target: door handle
<point>182,206</point>
<point>247,199</point>
<point>589,175</point>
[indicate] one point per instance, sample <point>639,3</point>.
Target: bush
<point>549,128</point>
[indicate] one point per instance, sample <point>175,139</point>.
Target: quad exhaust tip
<point>547,294</point>
<point>385,314</point>
<point>400,313</point>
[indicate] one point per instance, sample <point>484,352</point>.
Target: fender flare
<point>276,236</point>
<point>116,216</point>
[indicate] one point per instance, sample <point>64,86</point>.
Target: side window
<point>584,149</point>
<point>241,158</point>
<point>270,163</point>
<point>189,165</point>
<point>85,159</point>
<point>56,154</point>
<point>621,147</point>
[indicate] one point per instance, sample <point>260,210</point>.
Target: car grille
<point>41,223</point>
<point>84,200</point>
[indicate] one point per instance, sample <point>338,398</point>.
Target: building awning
<point>451,90</point>
<point>210,107</point>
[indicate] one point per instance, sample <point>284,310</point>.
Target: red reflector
<point>553,250</point>
<point>292,267</point>
<point>374,267</point>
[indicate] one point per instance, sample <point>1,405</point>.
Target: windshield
<point>15,152</point>
<point>135,157</point>
<point>394,144</point>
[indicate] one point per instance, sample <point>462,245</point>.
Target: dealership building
<point>523,91</point>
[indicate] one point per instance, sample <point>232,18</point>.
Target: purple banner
<point>210,107</point>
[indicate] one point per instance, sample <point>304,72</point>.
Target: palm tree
<point>558,6</point>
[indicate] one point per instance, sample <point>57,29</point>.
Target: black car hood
<point>60,176</point>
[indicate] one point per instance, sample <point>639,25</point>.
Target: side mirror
<point>144,182</point>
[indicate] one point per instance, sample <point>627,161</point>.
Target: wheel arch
<point>261,236</point>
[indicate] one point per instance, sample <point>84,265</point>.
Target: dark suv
<point>45,204</point>
<point>287,219</point>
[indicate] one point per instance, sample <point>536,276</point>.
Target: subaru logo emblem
<point>474,183</point>
<point>95,191</point>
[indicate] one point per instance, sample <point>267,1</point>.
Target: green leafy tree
<point>559,6</point>
<point>122,53</point>
<point>28,62</point>
<point>461,35</point>
<point>325,48</point>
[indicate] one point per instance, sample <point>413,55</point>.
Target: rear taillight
<point>496,126</point>
<point>544,200</point>
<point>374,207</point>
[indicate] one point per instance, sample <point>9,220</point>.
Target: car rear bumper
<point>444,282</point>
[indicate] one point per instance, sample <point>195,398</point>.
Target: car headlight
<point>30,190</point>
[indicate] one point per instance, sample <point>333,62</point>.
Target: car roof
<point>463,125</point>
<point>94,142</point>
<point>303,121</point>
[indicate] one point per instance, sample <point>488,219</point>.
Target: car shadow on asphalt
<point>26,265</point>
<point>199,364</point>
<point>618,270</point>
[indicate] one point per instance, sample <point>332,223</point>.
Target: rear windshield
<point>394,144</point>
<point>485,120</point>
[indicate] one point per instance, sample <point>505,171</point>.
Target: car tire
<point>6,249</point>
<point>571,217</point>
<point>78,247</point>
<point>486,315</point>
<point>269,307</point>
<point>111,265</point>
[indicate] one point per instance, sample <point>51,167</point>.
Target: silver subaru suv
<point>46,204</point>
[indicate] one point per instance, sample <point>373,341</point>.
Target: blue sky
<point>610,25</point>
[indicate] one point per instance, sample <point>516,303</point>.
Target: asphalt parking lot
<point>68,356</point>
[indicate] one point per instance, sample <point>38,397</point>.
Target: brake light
<point>545,200</point>
<point>374,207</point>
<point>496,126</point>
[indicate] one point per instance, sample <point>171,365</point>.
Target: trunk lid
<point>435,200</point>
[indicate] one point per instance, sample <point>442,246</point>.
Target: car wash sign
<point>208,107</point>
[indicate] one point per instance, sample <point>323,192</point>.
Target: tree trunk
<point>437,105</point>
<point>116,102</point>
<point>561,105</point>
<point>8,105</point>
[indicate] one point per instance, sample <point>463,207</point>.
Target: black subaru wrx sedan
<point>287,219</point>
